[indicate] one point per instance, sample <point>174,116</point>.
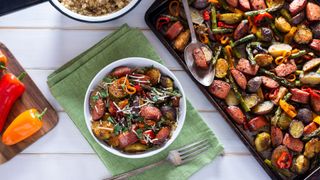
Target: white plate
<point>135,62</point>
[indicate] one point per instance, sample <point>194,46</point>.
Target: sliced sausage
<point>233,3</point>
<point>121,71</point>
<point>244,5</point>
<point>245,67</point>
<point>257,123</point>
<point>276,136</point>
<point>241,30</point>
<point>174,30</point>
<point>299,96</point>
<point>315,102</point>
<point>269,83</point>
<point>200,58</point>
<point>98,110</point>
<point>313,12</point>
<point>236,114</point>
<point>150,113</point>
<point>240,78</point>
<point>285,69</point>
<point>296,6</point>
<point>258,4</point>
<point>297,19</point>
<point>162,135</point>
<point>292,143</point>
<point>127,138</point>
<point>315,44</point>
<point>219,89</point>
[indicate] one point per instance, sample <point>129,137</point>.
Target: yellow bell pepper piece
<point>289,36</point>
<point>317,120</point>
<point>288,108</point>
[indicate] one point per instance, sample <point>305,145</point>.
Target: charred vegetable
<point>262,141</point>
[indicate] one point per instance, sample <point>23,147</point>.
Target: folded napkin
<point>69,83</point>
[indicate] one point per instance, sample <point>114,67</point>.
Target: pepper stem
<point>40,116</point>
<point>22,76</point>
<point>2,67</point>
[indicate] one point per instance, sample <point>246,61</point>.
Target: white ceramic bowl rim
<point>102,18</point>
<point>138,62</point>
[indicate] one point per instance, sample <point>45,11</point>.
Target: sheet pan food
<point>266,55</point>
<point>135,109</point>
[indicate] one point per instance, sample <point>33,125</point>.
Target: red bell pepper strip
<point>11,88</point>
<point>262,18</point>
<point>206,15</point>
<point>224,25</point>
<point>314,97</point>
<point>284,161</point>
<point>150,134</point>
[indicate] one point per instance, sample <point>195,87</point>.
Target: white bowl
<point>135,62</point>
<point>108,17</point>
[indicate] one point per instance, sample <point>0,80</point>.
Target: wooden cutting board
<point>32,98</point>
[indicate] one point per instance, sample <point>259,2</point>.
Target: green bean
<point>243,40</point>
<point>275,30</point>
<point>221,30</point>
<point>216,56</point>
<point>213,17</point>
<point>298,54</point>
<point>249,51</point>
<point>238,94</point>
<point>280,80</point>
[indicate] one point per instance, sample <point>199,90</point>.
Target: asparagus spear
<point>216,56</point>
<point>238,94</point>
<point>275,118</point>
<point>213,17</point>
<point>256,12</point>
<point>221,31</point>
<point>243,40</point>
<point>280,80</point>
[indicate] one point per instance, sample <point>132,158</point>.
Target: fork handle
<point>136,171</point>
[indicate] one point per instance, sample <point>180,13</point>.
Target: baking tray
<point>9,6</point>
<point>160,7</point>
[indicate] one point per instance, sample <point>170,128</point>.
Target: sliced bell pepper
<point>289,36</point>
<point>284,161</point>
<point>11,88</point>
<point>262,18</point>
<point>288,108</point>
<point>224,25</point>
<point>24,126</point>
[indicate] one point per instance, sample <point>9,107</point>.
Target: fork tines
<point>191,151</point>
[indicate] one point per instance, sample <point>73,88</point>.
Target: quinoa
<point>94,7</point>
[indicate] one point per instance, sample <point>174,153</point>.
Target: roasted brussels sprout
<point>231,99</point>
<point>311,148</point>
<point>166,82</point>
<point>168,112</point>
<point>301,164</point>
<point>305,115</point>
<point>281,155</point>
<point>262,141</point>
<point>154,75</point>
<point>102,129</point>
<point>303,35</point>
<point>282,24</point>
<point>263,59</point>
<point>284,121</point>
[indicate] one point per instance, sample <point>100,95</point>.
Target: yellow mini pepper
<point>288,108</point>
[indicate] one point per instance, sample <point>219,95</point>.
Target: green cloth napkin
<point>69,83</point>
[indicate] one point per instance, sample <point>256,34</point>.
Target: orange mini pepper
<point>25,125</point>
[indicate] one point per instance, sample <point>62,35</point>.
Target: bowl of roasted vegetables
<point>267,72</point>
<point>135,107</point>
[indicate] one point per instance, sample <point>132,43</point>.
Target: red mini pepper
<point>262,18</point>
<point>11,88</point>
<point>284,161</point>
<point>224,25</point>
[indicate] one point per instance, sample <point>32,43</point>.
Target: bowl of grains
<point>94,11</point>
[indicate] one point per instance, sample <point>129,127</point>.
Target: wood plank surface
<point>32,98</point>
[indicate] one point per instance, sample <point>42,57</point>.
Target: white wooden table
<point>42,40</point>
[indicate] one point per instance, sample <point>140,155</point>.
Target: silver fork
<point>176,157</point>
